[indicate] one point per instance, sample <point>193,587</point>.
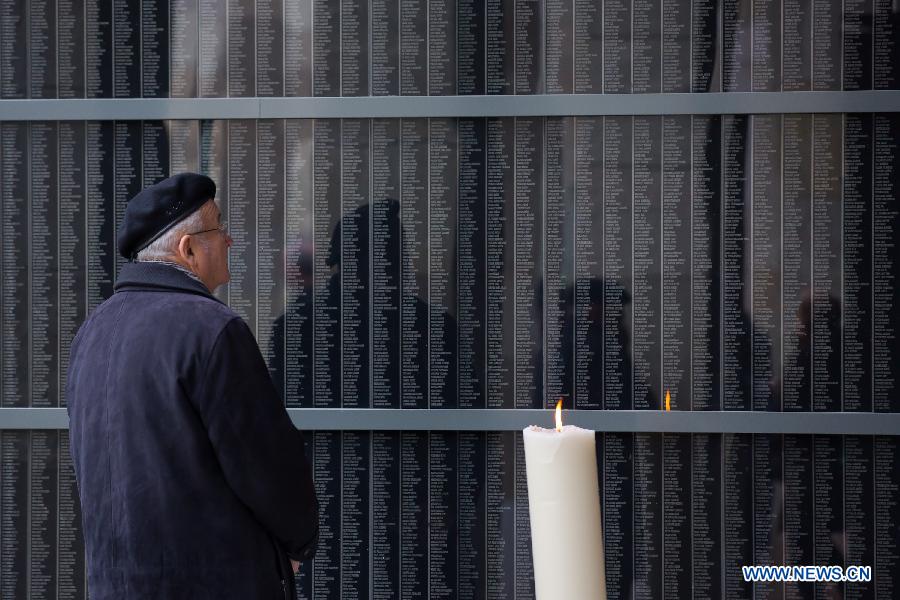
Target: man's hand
<point>295,565</point>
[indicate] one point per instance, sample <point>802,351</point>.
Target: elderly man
<point>193,481</point>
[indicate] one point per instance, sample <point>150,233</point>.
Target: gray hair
<point>165,246</point>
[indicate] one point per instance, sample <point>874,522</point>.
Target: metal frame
<point>642,421</point>
<point>105,109</point>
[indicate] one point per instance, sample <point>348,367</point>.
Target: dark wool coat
<point>192,478</point>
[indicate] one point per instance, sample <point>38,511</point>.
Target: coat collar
<point>156,277</point>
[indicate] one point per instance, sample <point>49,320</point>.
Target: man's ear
<point>185,249</point>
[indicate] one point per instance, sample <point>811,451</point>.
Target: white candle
<point>564,502</point>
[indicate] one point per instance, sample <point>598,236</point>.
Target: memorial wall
<point>738,262</point>
<point>237,48</point>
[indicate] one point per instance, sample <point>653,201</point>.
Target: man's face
<point>211,248</point>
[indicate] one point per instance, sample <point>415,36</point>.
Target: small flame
<point>559,415</point>
<point>668,400</point>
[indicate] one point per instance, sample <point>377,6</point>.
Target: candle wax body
<point>564,505</point>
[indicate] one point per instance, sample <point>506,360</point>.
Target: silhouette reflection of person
<point>589,351</point>
<point>299,283</point>
<point>391,285</point>
<point>799,364</point>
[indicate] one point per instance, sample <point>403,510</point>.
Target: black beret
<point>160,207</point>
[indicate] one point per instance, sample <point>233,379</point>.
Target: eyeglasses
<point>222,228</point>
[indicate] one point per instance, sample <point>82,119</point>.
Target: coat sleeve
<point>259,449</point>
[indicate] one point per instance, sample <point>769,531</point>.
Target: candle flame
<point>668,400</point>
<point>559,415</point>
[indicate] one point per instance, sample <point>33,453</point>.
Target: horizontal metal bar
<point>33,418</point>
<point>129,109</point>
<point>649,421</point>
<point>104,109</point>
